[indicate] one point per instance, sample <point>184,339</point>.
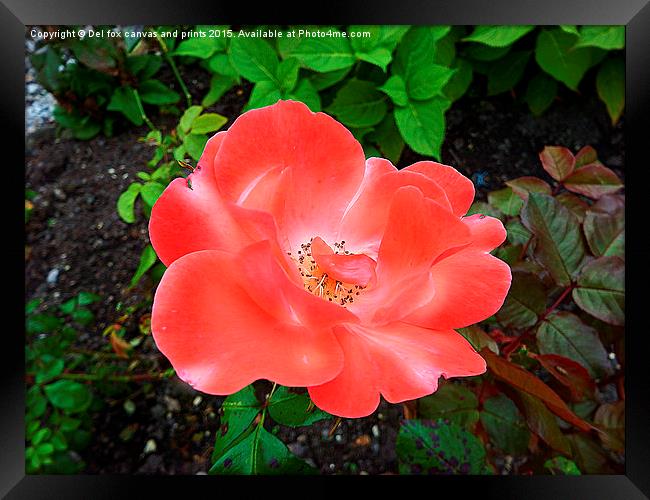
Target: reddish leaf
<point>525,381</point>
<point>589,455</point>
<point>120,346</point>
<point>565,334</point>
<point>610,203</point>
<point>610,418</point>
<point>558,161</point>
<point>605,233</point>
<point>524,185</point>
<point>501,337</point>
<point>569,373</point>
<point>478,338</point>
<point>542,422</point>
<point>585,156</point>
<point>575,205</point>
<point>601,290</point>
<point>594,180</point>
<point>526,300</point>
<point>559,242</point>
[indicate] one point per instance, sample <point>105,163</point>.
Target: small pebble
<point>52,276</point>
<point>150,447</point>
<point>375,430</point>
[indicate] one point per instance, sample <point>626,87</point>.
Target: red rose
<point>292,258</point>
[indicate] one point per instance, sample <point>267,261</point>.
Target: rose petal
<point>400,361</point>
<point>326,167</point>
<point>487,232</point>
<point>185,220</point>
<point>219,339</point>
<point>418,231</point>
<point>357,269</point>
<point>459,189</point>
<point>365,220</point>
<point>470,286</point>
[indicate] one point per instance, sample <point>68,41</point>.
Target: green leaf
<point>254,59</point>
<point>151,191</point>
<point>558,161</point>
<point>558,239</point>
<point>156,92</point>
<point>498,36</point>
<point>395,88</point>
<point>322,81</point>
<point>219,85</point>
<point>452,402</point>
<point>601,290</point>
<point>388,139</point>
<point>540,93</point>
<point>195,144</point>
<point>594,180</point>
<point>238,412</point>
<point>126,202</point>
<point>48,367</point>
<point>505,73</point>
<point>264,94</point>
<point>358,104</point>
<point>482,208</point>
<point>378,47</point>
<point>305,92</point>
<point>68,395</point>
<point>222,65</point>
<point>460,80</point>
<point>505,425</point>
<point>292,409</point>
<point>603,37</point>
<point>564,334</point>
<point>288,74</point>
<point>417,49</point>
<point>556,54</point>
<point>188,118</point>
<point>517,233</point>
<point>570,28</point>
<point>147,259</point>
<point>427,81</point>
<point>476,336</point>
<point>605,233</point>
<point>422,125</point>
<point>208,122</point>
<point>260,452</point>
<point>525,302</point>
<point>506,201</point>
<point>610,83</point>
<point>485,53</point>
<point>143,67</point>
<point>42,323</point>
<point>202,46</point>
<point>427,447</point>
<point>323,54</point>
<point>125,101</point>
<point>561,466</point>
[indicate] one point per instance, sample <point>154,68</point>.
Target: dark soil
<point>76,237</point>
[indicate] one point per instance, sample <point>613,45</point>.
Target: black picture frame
<point>635,14</point>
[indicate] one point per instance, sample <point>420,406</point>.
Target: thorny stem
<point>172,64</point>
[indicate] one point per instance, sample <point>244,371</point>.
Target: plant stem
<point>141,109</point>
<point>172,64</point>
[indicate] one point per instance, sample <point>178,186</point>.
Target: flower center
<point>317,280</point>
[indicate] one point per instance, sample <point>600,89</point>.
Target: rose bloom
<point>294,259</point>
